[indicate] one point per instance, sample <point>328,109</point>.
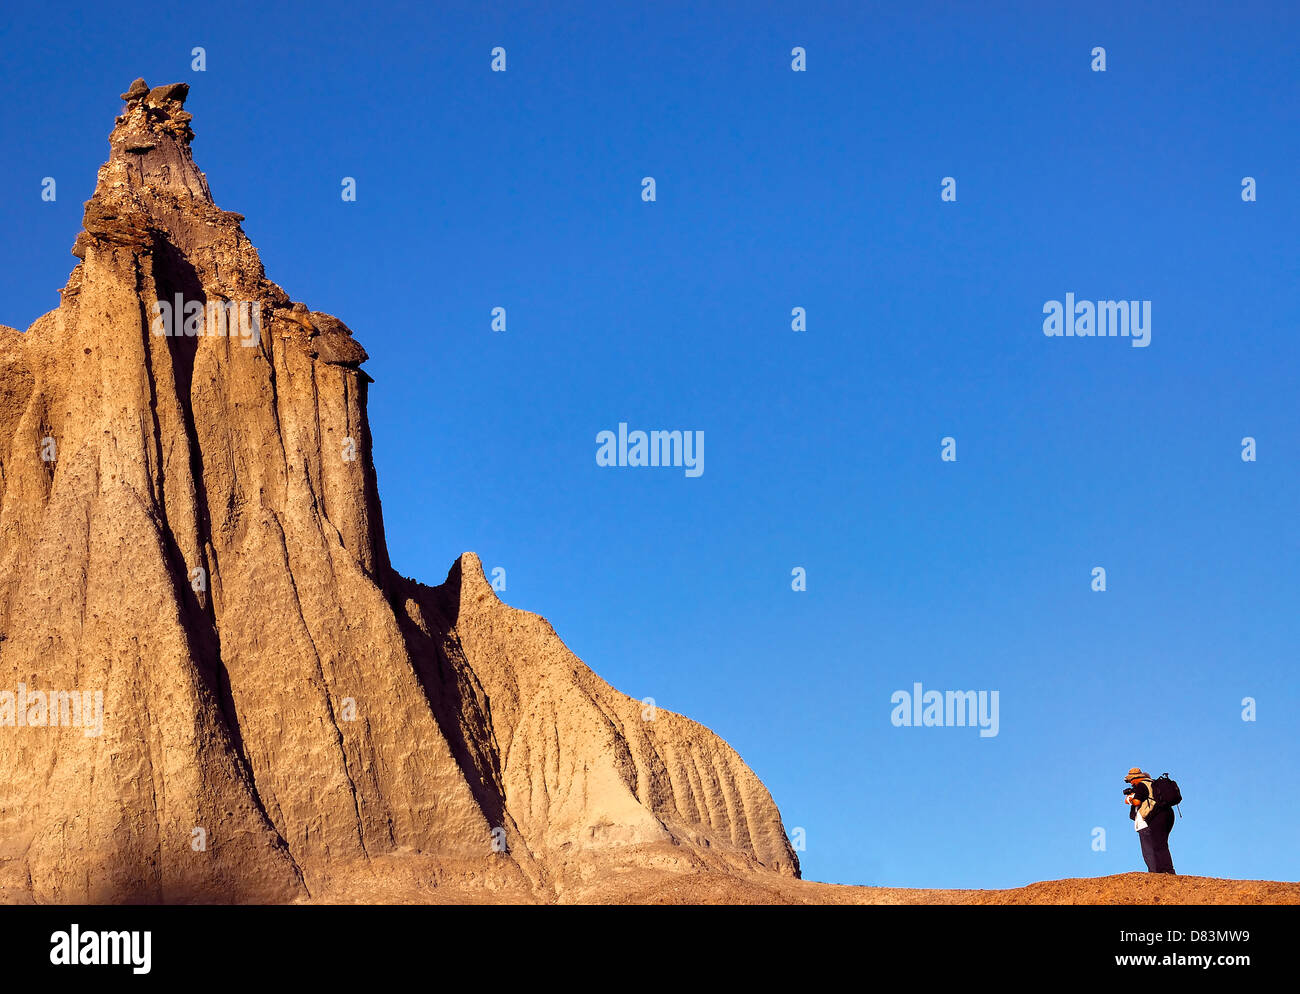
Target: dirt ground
<point>1123,888</point>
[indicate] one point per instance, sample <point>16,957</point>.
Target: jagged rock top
<point>163,105</point>
<point>151,196</point>
<point>151,144</point>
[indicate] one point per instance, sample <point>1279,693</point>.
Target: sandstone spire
<point>190,527</point>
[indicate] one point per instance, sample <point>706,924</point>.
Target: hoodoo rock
<point>213,686</point>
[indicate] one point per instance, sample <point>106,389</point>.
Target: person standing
<point>1153,822</point>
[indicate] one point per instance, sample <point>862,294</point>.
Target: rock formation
<point>190,525</point>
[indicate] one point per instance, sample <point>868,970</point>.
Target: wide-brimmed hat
<point>1135,774</point>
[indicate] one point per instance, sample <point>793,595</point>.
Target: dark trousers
<point>1155,842</point>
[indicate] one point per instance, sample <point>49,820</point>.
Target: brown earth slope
<point>190,524</point>
<point>1123,888</point>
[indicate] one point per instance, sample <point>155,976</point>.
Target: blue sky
<point>819,189</point>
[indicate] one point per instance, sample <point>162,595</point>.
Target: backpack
<point>1165,792</point>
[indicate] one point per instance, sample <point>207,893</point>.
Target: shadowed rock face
<point>190,524</point>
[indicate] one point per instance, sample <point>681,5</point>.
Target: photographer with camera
<point>1152,819</point>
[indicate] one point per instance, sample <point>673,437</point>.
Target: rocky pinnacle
<point>191,534</point>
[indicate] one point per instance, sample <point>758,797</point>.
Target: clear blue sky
<point>818,189</point>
